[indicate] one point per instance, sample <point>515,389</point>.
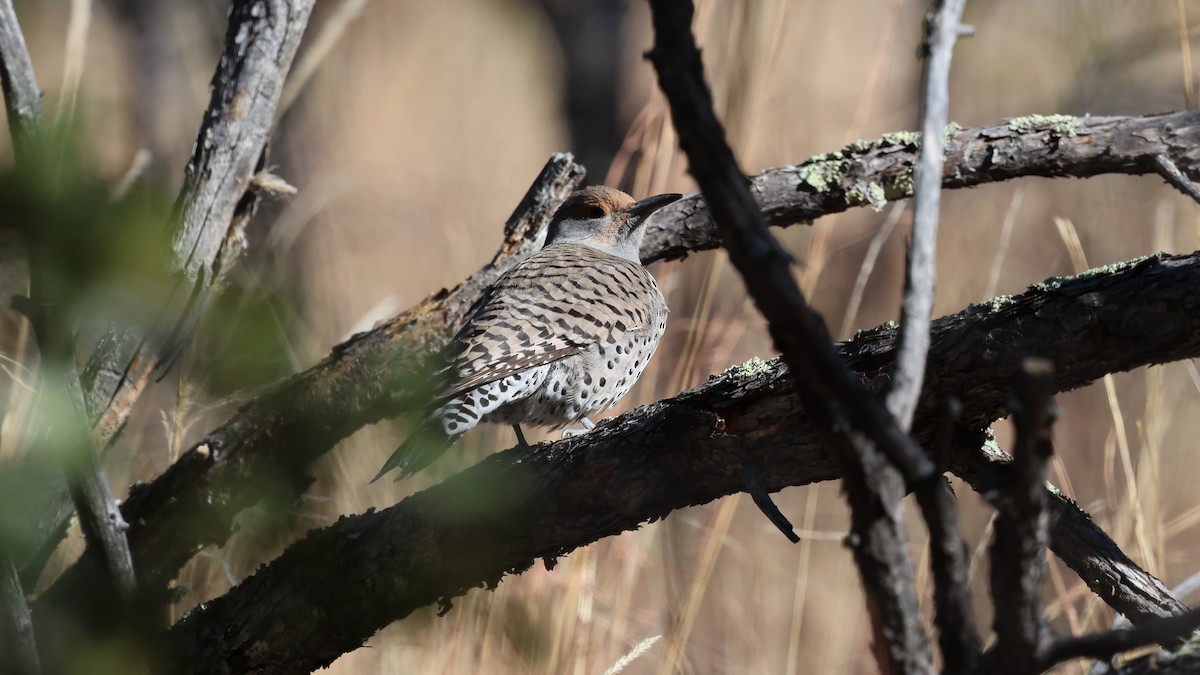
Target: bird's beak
<point>649,205</point>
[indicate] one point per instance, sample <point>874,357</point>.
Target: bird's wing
<point>557,303</point>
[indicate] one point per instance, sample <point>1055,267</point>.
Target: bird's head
<point>605,218</point>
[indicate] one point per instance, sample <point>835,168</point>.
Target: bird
<point>562,335</point>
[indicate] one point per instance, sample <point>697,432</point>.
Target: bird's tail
<point>427,442</point>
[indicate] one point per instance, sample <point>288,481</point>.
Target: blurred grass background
<point>419,131</point>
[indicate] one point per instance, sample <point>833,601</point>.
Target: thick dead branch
<point>521,505</point>
<point>215,202</point>
<point>872,172</point>
<point>1019,548</point>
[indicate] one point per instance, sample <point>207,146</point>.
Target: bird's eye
<point>595,212</point>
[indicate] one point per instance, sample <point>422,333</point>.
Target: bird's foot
<point>588,425</point>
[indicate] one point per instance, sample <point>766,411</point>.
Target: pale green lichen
<point>871,194</point>
<point>999,302</point>
<point>1054,283</point>
<point>829,170</point>
<point>903,138</point>
<point>1051,284</point>
<point>823,171</point>
<point>900,187</point>
<point>1061,125</point>
<point>755,366</point>
<point>861,146</point>
<point>912,138</point>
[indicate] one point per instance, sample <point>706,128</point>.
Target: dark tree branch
<point>1074,537</point>
<point>518,506</point>
<point>1108,644</point>
<point>1018,550</point>
<point>100,518</point>
<point>866,173</point>
<point>958,637</point>
<point>1183,663</point>
<point>762,499</point>
<point>372,375</point>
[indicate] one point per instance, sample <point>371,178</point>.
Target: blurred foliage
<point>102,256</point>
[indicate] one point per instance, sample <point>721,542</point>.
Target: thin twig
<point>1109,643</point>
<point>99,515</point>
<point>957,636</point>
<point>908,372</point>
<point>762,499</point>
<point>1175,178</point>
<point>23,108</point>
<point>22,98</point>
<point>18,651</point>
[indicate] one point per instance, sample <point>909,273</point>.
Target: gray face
<point>606,219</point>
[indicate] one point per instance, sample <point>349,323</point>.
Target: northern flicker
<point>563,335</point>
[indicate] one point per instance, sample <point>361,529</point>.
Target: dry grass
<point>420,129</point>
